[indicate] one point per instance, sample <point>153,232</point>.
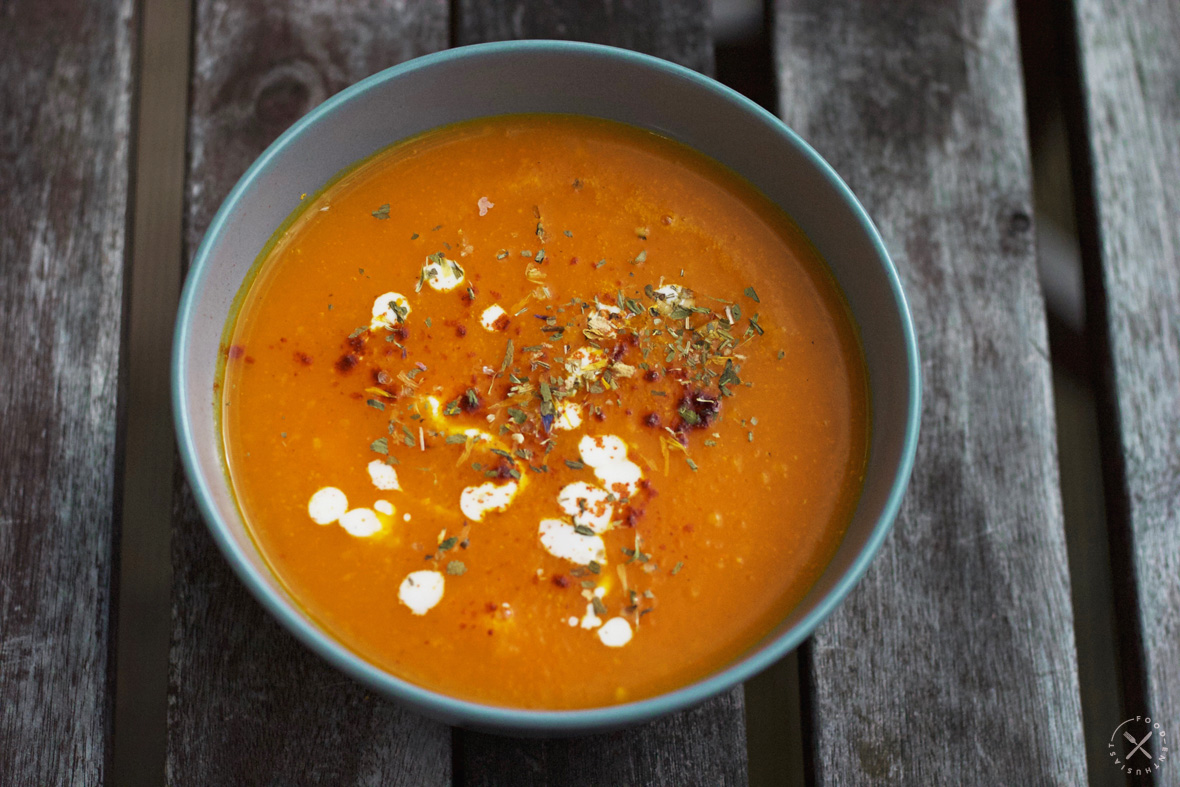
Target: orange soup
<point>544,412</point>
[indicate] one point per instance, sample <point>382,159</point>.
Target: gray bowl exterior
<point>495,79</point>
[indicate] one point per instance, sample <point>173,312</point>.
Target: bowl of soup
<point>545,387</point>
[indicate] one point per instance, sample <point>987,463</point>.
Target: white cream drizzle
<point>477,501</point>
<point>435,405</point>
<point>590,620</point>
<point>607,455</point>
<point>361,522</point>
<point>588,505</point>
<point>569,416</point>
<point>562,541</point>
<point>384,315</point>
<point>384,476</point>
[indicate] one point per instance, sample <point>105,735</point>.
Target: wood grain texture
<point>675,30</point>
<point>247,703</point>
<point>702,746</point>
<point>954,659</point>
<point>1129,155</point>
<point>65,114</point>
<point>706,745</point>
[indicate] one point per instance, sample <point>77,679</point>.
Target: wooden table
<point>953,661</point>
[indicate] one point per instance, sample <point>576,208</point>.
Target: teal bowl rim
<point>505,719</point>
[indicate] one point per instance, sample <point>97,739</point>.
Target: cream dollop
<point>327,505</point>
<point>360,522</point>
<point>569,416</point>
<point>607,455</point>
<point>562,541</point>
<point>615,633</point>
<point>588,505</point>
<point>441,273</point>
<point>477,501</point>
<point>590,620</point>
<point>390,309</point>
<point>384,476</point>
<point>421,591</point>
<point>490,319</point>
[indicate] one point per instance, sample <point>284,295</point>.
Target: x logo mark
<point>1138,745</point>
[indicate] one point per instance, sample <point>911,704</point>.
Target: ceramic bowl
<point>550,76</point>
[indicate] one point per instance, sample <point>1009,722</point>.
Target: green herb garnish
<point>508,353</point>
<point>729,376</point>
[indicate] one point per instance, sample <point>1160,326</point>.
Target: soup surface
<point>544,412</point>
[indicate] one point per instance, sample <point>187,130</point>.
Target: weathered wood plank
<point>248,704</point>
<point>675,30</point>
<point>954,659</point>
<point>706,745</point>
<point>1129,199</point>
<point>702,746</point>
<point>65,112</point>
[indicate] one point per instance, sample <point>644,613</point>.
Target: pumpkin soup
<point>544,411</point>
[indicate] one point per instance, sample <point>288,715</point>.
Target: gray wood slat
<point>65,112</point>
<point>954,659</point>
<point>248,704</point>
<point>706,745</point>
<point>676,30</point>
<point>1129,69</point>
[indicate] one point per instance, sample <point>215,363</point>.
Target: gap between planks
<point>144,619</point>
<point>1045,50</point>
